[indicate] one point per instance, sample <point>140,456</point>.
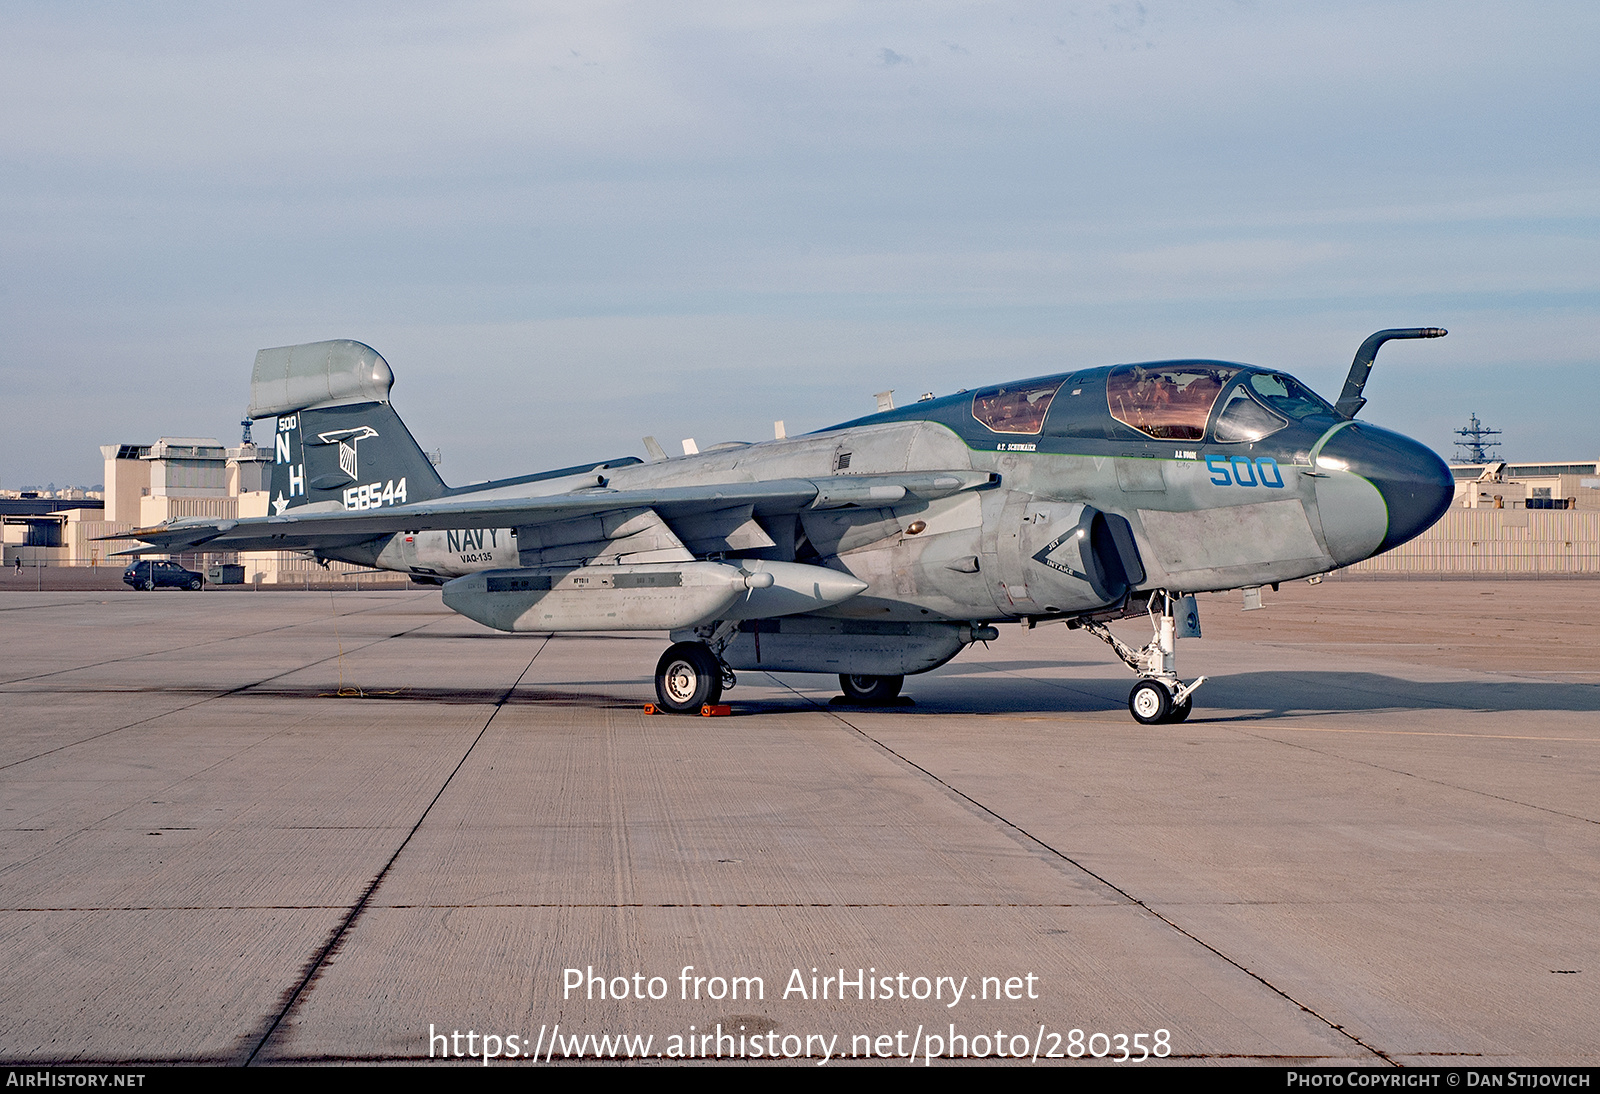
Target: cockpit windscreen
<point>1288,396</point>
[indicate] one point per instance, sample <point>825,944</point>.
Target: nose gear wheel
<point>1150,702</point>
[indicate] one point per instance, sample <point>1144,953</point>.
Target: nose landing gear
<point>1159,698</point>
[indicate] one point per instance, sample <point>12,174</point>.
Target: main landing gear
<point>688,677</point>
<point>1159,697</point>
<point>692,675</point>
<point>871,690</point>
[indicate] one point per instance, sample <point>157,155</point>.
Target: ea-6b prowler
<point>875,549</point>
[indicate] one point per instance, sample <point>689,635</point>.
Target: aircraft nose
<point>1416,484</point>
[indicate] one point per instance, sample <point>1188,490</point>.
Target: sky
<point>568,225</point>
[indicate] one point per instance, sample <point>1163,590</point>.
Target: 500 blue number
<point>1244,471</point>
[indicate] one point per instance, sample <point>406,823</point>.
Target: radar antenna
<point>1477,444</point>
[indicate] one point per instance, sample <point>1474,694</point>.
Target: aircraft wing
<point>301,529</point>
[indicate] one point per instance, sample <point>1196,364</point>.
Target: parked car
<point>148,574</point>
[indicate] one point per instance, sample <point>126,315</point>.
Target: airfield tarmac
<point>312,827</point>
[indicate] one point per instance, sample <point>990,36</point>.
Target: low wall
<point>1499,542</point>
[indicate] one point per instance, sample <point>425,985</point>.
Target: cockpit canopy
<point>1016,408</point>
<point>1170,402</point>
<point>1173,401</point>
<point>1217,402</point>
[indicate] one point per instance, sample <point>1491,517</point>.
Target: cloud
<point>182,184</point>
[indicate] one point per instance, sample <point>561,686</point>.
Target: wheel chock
<point>720,710</point>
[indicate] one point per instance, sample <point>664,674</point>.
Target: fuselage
<point>875,549</point>
<point>1180,475</point>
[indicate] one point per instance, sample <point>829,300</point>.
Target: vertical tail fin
<point>359,456</point>
<point>339,443</point>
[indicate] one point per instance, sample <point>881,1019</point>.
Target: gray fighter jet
<point>875,549</point>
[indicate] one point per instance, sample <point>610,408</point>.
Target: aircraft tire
<point>687,678</point>
<point>1150,703</point>
<point>871,689</point>
<point>1181,711</point>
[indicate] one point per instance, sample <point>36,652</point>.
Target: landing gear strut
<point>1159,697</point>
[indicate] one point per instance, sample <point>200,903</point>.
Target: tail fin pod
<point>338,440</point>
